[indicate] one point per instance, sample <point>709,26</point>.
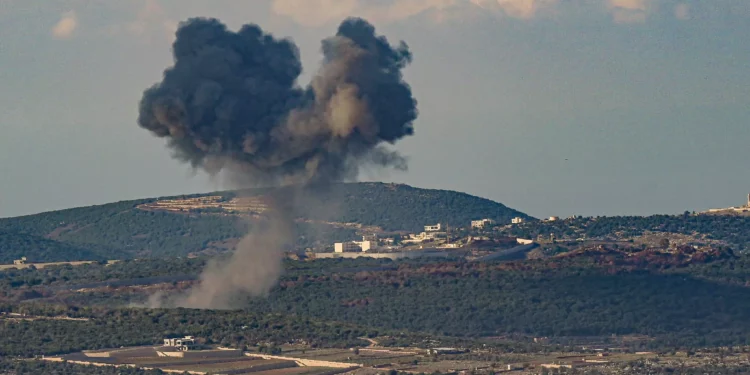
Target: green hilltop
<point>147,228</point>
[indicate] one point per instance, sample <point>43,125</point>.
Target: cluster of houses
<point>434,232</point>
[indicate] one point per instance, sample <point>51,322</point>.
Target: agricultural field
<point>251,365</point>
<point>202,361</point>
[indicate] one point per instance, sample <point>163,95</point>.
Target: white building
<point>184,344</point>
<point>425,236</point>
<point>446,351</point>
<point>346,247</point>
<point>553,218</point>
<point>479,224</point>
<point>421,237</point>
<point>433,228</point>
<point>744,208</point>
<point>367,245</point>
<point>517,220</point>
<point>449,246</point>
<point>354,246</point>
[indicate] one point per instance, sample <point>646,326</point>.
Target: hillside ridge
<point>184,224</point>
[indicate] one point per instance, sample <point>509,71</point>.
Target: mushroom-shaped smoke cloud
<point>231,102</point>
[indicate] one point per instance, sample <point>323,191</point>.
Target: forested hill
<point>402,207</point>
<point>14,245</point>
<point>149,227</point>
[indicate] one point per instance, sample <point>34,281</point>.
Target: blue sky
<point>553,107</point>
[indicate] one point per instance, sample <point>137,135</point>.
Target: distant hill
<point>179,225</point>
<point>402,207</point>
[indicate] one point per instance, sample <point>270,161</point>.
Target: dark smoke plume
<point>231,100</point>
<point>232,103</point>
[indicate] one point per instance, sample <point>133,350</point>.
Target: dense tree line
<point>562,302</point>
<point>108,328</point>
<point>564,298</point>
<point>70,276</point>
<point>701,305</point>
<point>730,271</point>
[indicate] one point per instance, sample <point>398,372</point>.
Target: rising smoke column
<point>231,102</point>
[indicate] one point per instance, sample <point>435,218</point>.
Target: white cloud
<point>682,11</point>
<point>150,20</point>
<point>629,4</point>
<point>630,11</point>
<point>65,27</point>
<point>315,12</point>
<point>321,12</point>
<point>402,9</point>
<point>524,9</point>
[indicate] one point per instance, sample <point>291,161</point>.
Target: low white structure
<point>446,351</point>
<point>524,241</point>
<point>479,224</point>
<point>424,236</point>
<point>182,344</point>
<point>367,245</point>
<point>740,209</point>
<point>20,261</point>
<point>553,218</point>
<point>354,246</point>
<point>433,228</point>
<point>449,246</point>
<point>517,220</point>
<point>346,247</point>
<point>728,209</point>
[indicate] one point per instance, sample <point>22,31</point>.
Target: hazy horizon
<point>599,107</point>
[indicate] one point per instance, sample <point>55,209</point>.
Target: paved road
<point>507,253</point>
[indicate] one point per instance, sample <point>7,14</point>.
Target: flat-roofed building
<point>433,228</point>
<point>479,224</point>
